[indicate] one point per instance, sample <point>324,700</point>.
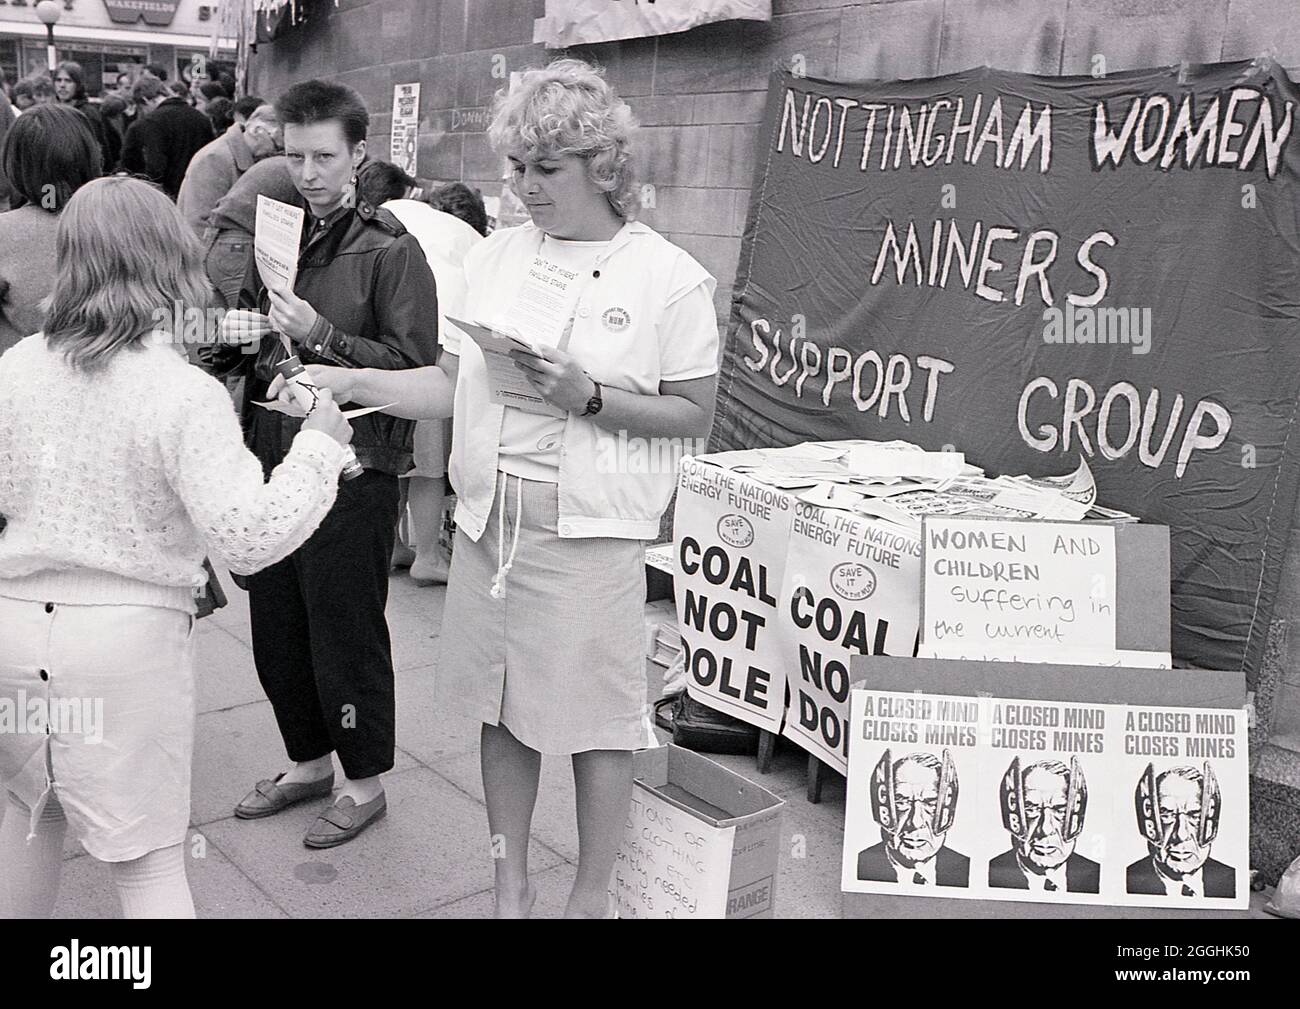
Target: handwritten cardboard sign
<point>671,864</point>
<point>992,585</point>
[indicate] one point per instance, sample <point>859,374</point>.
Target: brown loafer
<point>345,820</point>
<point>270,797</point>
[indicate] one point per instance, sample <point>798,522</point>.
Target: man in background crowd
<point>70,89</point>
<point>218,166</point>
<point>36,89</point>
<point>165,137</point>
<point>245,107</point>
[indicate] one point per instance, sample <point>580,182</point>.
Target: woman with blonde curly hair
<point>542,631</point>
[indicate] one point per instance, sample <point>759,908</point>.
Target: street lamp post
<point>48,12</point>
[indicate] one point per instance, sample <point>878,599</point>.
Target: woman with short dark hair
<point>363,297</point>
<point>49,153</point>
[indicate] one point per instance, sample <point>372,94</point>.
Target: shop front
<point>108,37</point>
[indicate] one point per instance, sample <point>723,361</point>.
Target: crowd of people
<point>210,104</point>
<point>124,465</point>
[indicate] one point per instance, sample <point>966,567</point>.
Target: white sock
<point>29,870</point>
<point>154,885</point>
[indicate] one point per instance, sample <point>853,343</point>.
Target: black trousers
<point>320,637</point>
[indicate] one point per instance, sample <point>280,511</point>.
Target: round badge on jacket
<point>616,319</point>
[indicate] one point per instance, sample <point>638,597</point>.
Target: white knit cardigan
<point>116,483</point>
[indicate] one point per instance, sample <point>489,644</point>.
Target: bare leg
<point>424,511</point>
<point>603,782</point>
<point>510,774</point>
<point>29,871</point>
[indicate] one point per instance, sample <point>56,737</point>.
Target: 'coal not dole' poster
<point>851,588</point>
<point>1046,801</point>
<point>732,536</point>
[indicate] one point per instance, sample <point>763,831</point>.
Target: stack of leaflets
<point>663,640</point>
<point>900,482</point>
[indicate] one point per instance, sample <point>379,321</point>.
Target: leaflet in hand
<point>275,242</point>
<point>507,384</point>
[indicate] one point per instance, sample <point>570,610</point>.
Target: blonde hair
<point>568,108</point>
<point>124,252</point>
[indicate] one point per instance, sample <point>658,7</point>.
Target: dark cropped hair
<point>381,181</point>
<point>221,110</point>
<point>319,101</point>
<point>73,70</point>
<point>157,69</point>
<point>247,105</point>
<point>49,153</point>
<point>460,201</point>
<point>211,89</point>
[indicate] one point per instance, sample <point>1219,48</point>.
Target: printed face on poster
<point>1008,799</point>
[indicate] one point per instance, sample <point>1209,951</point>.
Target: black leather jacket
<point>370,284</point>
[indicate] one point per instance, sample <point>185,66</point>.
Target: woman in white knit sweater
<point>120,467</point>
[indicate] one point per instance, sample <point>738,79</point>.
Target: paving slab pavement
<point>429,857</point>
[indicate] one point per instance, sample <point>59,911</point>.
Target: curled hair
<point>35,87</point>
<point>568,108</point>
<point>49,153</point>
<point>147,88</point>
<point>125,258</point>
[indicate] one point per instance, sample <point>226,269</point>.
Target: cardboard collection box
<point>701,842</point>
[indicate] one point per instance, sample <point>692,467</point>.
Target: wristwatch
<point>595,403</point>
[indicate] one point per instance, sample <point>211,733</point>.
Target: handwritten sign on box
<point>671,864</point>
<point>992,584</point>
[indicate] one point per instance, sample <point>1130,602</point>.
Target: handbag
<point>211,598</point>
<point>698,727</point>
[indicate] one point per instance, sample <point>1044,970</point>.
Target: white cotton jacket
<point>618,339</point>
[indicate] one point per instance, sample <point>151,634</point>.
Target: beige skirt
<point>558,656</point>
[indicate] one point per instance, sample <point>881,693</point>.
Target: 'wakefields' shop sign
<point>1034,268</point>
